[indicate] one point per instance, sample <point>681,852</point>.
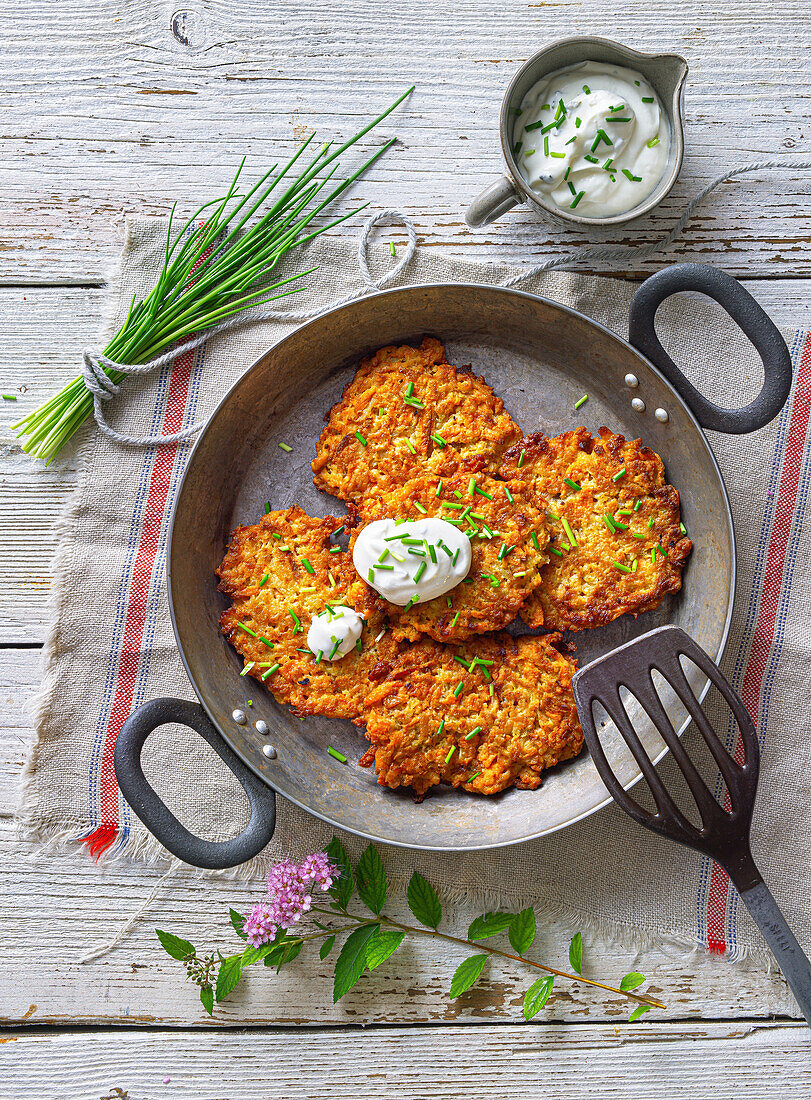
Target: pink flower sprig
<point>289,896</point>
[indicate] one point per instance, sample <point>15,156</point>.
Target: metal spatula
<point>724,835</point>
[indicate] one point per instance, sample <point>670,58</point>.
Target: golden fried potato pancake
<point>441,716</point>
<point>508,539</point>
<point>275,597</point>
<point>401,406</point>
<point>629,548</point>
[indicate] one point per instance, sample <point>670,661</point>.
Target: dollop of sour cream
<point>413,560</point>
<point>334,631</point>
<point>592,138</point>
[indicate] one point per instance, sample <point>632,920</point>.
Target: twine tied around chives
<point>104,389</point>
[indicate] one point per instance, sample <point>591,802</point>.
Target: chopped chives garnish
<point>445,548</point>
<point>619,474</point>
<point>517,148</point>
<point>553,515</point>
<point>529,152</point>
<point>285,447</point>
<point>577,199</point>
<point>549,126</point>
<point>448,601</point>
<point>307,565</point>
<point>546,146</point>
<point>638,535</point>
<point>631,176</point>
<point>264,579</point>
<point>248,630</point>
<point>509,495</point>
<point>487,531</point>
<point>561,111</point>
<point>521,459</point>
<point>482,492</point>
<point>267,510</point>
<point>392,248</point>
<point>647,99</point>
<point>273,534</point>
<point>683,529</point>
<point>420,508</point>
<point>566,545</point>
<point>247,668</point>
<point>608,521</point>
<point>638,505</point>
<point>477,515</point>
<point>409,389</point>
<point>9,397</point>
<point>457,494</point>
<point>411,446</point>
<point>335,550</point>
<point>650,523</point>
<point>653,141</point>
<point>420,570</point>
<point>568,530</point>
<point>546,107</point>
<point>577,124</point>
<point>438,488</point>
<point>451,751</point>
<point>624,568</point>
<point>457,691</point>
<point>410,542</point>
<point>619,120</point>
<point>582,401</point>
<point>472,486</point>
<point>455,556</point>
<point>339,530</point>
<point>588,156</point>
<point>504,551</point>
<point>339,756</point>
<point>625,511</point>
<point>416,553</point>
<point>601,136</point>
<point>414,402</point>
<point>462,661</point>
<point>453,621</point>
<point>432,553</point>
<point>587,89</point>
<point>653,554</point>
<point>560,156</point>
<point>568,170</point>
<point>371,576</point>
<point>440,728</point>
<point>569,142</point>
<point>534,126</point>
<point>295,619</point>
<point>319,656</point>
<point>474,776</point>
<point>452,504</point>
<point>634,564</point>
<point>414,599</point>
<point>437,438</point>
<point>271,670</point>
<point>361,440</point>
<point>661,550</point>
<point>384,555</point>
<point>518,112</point>
<point>389,567</point>
<point>637,84</point>
<point>472,734</point>
<point>618,523</point>
<point>334,650</point>
<point>468,580</point>
<point>572,188</point>
<point>572,484</point>
<point>608,164</point>
<point>534,538</point>
<point>619,107</point>
<point>554,550</point>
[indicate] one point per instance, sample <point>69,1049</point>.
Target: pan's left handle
<point>750,317</point>
<point>154,813</point>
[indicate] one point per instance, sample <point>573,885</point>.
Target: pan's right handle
<point>746,313</point>
<point>154,813</point>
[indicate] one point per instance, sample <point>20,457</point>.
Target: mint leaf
<point>238,921</point>
<point>381,946</point>
<point>228,975</point>
<point>371,879</point>
<point>640,1010</point>
<point>522,930</point>
<point>342,889</point>
<point>632,981</point>
<point>207,999</point>
<point>174,945</point>
<point>491,924</point>
<point>537,995</point>
<point>326,947</point>
<point>576,953</point>
<point>466,974</point>
<point>351,962</point>
<point>423,901</point>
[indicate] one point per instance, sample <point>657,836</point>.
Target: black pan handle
<point>159,819</point>
<point>750,318</point>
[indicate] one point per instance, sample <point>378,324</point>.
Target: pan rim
<point>369,833</point>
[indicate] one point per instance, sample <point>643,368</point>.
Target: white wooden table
<point>112,107</point>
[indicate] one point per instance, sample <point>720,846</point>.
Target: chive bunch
<point>212,271</point>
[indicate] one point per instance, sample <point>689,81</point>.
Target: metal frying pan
<point>540,357</point>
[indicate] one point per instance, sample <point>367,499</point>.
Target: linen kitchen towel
<point>111,645</point>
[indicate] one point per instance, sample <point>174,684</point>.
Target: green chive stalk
<point>216,266</point>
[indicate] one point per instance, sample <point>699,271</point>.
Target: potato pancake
<point>280,573</point>
<point>617,544</point>
<point>401,406</point>
<point>491,714</point>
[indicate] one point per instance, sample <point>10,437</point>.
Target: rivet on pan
<point>638,405</point>
<point>269,752</point>
<point>663,415</point>
<point>239,717</point>
<point>262,727</point>
<point>631,380</point>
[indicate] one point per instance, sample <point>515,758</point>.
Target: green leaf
<point>287,952</point>
<point>228,975</point>
<point>576,953</point>
<point>537,995</point>
<point>207,999</point>
<point>491,924</point>
<point>371,879</point>
<point>238,921</point>
<point>640,1010</point>
<point>381,946</point>
<point>326,947</point>
<point>174,945</point>
<point>342,889</point>
<point>522,930</point>
<point>351,962</point>
<point>423,901</point>
<point>632,981</point>
<point>466,974</point>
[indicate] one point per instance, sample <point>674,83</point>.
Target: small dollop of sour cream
<point>413,560</point>
<point>334,631</point>
<point>593,138</point>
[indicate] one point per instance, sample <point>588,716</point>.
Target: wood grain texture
<point>578,1062</point>
<point>131,107</point>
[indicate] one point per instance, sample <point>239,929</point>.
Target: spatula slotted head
<point>723,833</point>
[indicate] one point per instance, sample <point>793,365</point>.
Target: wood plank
<point>133,108</point>
<point>45,331</point>
<point>585,1062</point>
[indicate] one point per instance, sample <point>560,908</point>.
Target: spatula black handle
<point>790,956</point>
